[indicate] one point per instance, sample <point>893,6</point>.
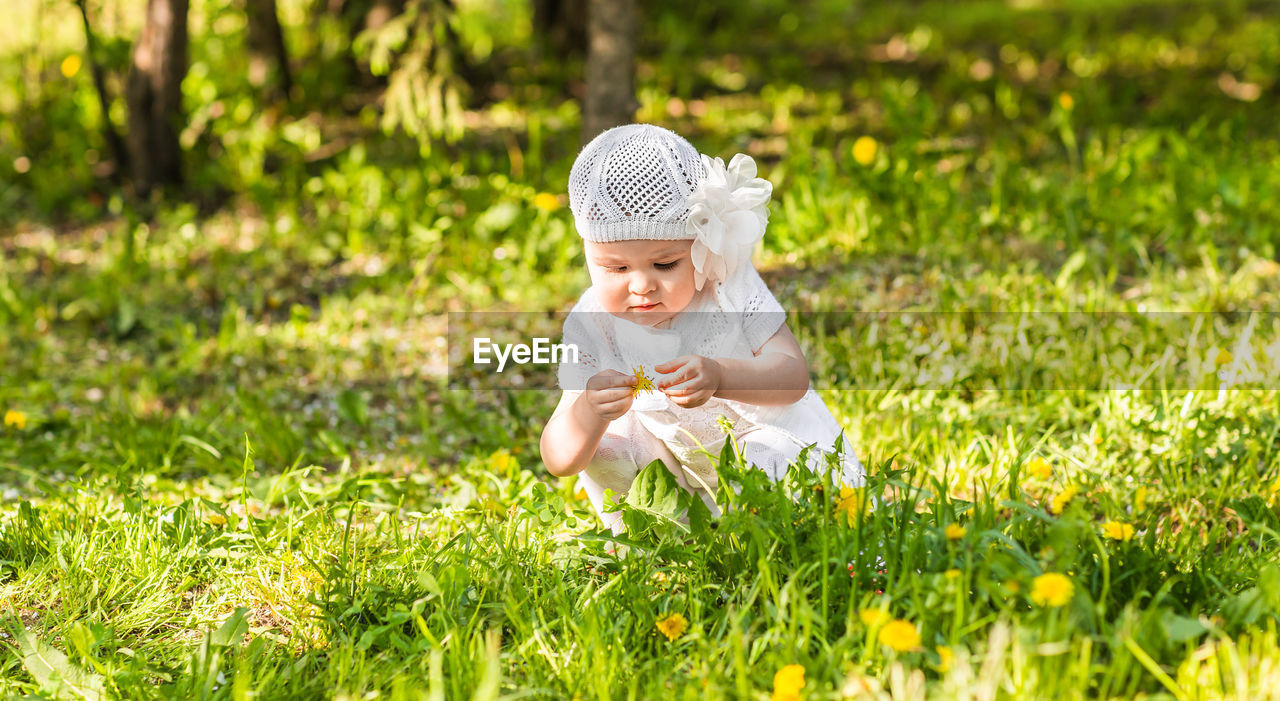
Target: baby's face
<point>645,282</point>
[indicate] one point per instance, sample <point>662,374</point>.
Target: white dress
<point>730,320</point>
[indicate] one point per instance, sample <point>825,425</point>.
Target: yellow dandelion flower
<point>951,573</point>
<point>1013,585</point>
<point>1224,357</point>
<point>1040,468</point>
<point>673,626</point>
<point>955,531</point>
<point>788,682</point>
<point>643,383</point>
<point>864,150</point>
<point>216,520</point>
<point>1140,499</point>
<point>1118,530</point>
<point>71,65</point>
<point>899,635</point>
<point>546,201</point>
<point>1051,589</point>
<point>1066,101</point>
<point>1063,498</point>
<point>500,460</point>
<point>873,617</point>
<point>852,502</point>
<point>16,419</point>
<point>946,657</point>
<point>1273,493</point>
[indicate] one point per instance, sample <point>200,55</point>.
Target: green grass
<point>242,471</point>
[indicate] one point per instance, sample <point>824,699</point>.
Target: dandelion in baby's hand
<point>15,419</point>
<point>788,682</point>
<point>1118,530</point>
<point>899,635</point>
<point>1051,589</point>
<point>643,383</point>
<point>954,531</point>
<point>1059,502</point>
<point>673,626</point>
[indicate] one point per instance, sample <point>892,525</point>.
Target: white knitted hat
<point>634,182</point>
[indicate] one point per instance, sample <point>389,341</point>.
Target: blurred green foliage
<point>1142,131</point>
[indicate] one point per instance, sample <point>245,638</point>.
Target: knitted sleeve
<point>759,310</point>
<point>582,330</point>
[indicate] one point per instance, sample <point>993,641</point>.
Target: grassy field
<point>231,464</point>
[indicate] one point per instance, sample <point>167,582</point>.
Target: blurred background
<point>231,217</point>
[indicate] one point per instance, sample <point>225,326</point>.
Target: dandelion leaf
<point>232,630</point>
<point>699,517</point>
<point>655,491</point>
<point>1254,510</point>
<point>1180,629</point>
<point>52,668</point>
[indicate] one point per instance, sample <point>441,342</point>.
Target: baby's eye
<point>667,266</point>
<point>617,268</point>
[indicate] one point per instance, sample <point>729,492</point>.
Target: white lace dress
<point>729,320</point>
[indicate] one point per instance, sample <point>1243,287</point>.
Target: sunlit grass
<point>231,461</point>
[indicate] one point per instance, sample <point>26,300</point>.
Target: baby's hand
<point>696,379</point>
<point>609,393</point>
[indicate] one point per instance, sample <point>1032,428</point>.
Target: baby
<point>677,332</point>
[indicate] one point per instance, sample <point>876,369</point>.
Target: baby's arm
<point>777,375</point>
<point>572,434</point>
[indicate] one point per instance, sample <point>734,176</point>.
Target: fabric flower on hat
<point>728,212</point>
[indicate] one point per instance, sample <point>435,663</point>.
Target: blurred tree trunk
<point>115,144</point>
<point>560,27</point>
<point>266,46</point>
<point>154,94</point>
<point>612,26</point>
